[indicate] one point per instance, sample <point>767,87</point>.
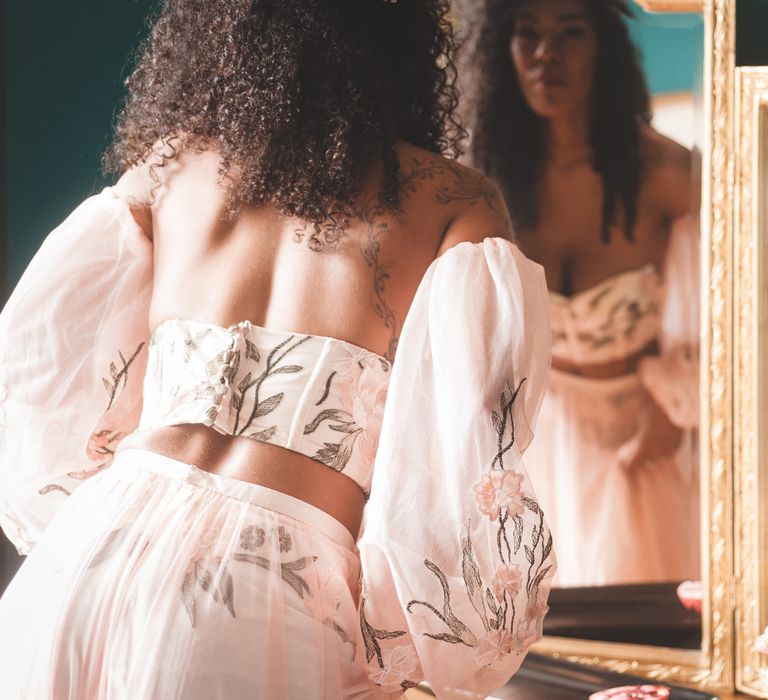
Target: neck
<point>568,138</point>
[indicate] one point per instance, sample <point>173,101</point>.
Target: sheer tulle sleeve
<point>672,377</point>
<point>456,555</point>
<point>72,349</point>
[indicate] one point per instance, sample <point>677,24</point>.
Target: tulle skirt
<point>160,580</point>
<point>610,524</point>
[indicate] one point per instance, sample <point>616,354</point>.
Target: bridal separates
<point>147,577</point>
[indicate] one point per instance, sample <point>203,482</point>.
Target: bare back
<point>354,283</point>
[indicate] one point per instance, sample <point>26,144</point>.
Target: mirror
<point>589,119</point>
<point>624,621</point>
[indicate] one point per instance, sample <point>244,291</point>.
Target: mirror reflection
<point>585,113</point>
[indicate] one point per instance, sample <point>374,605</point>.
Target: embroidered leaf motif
<point>203,576</point>
<point>245,383</point>
<point>327,454</point>
<point>529,554</point>
<point>237,401</point>
<point>517,534</point>
<point>111,543</point>
<point>540,576</point>
<point>251,351</point>
<point>371,635</point>
<point>227,589</point>
<point>344,427</point>
<point>496,421</point>
<point>268,405</point>
<point>188,595</point>
<point>48,488</point>
<point>445,637</point>
<point>471,574</point>
<point>288,369</point>
<point>344,452</point>
<point>264,435</point>
<point>456,626</point>
<point>335,414</point>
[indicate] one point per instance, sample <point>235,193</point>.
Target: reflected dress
<point>147,577</point>
<point>612,524</point>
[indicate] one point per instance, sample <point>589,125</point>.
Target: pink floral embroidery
<point>496,645</point>
<point>507,579</point>
<point>527,635</point>
<point>400,664</point>
<point>497,490</point>
<point>102,442</point>
<point>363,397</point>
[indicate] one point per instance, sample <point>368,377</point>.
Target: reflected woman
<point>604,202</point>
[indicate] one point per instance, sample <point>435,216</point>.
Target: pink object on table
<point>632,692</point>
<point>690,593</point>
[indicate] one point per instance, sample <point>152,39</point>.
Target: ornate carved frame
<point>713,666</point>
<point>750,429</point>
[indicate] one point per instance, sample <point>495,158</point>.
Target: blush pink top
<point>456,557</point>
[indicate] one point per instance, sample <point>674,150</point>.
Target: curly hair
<point>507,140</point>
<point>299,97</point>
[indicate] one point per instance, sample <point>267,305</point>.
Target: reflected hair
<point>298,97</point>
<point>508,143</point>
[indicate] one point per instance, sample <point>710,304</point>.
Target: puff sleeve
<point>73,340</point>
<point>672,377</point>
<point>456,557</point>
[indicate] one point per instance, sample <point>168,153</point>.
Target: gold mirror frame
<point>711,667</point>
<point>750,427</point>
<point>672,5</point>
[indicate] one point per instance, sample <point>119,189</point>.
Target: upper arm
<point>482,217</point>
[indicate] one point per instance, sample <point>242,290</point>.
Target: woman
<point>199,371</point>
<point>604,203</point>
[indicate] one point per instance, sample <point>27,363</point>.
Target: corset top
<point>318,396</point>
<point>610,321</point>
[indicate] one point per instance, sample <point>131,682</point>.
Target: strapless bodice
<point>610,321</point>
<point>319,396</point>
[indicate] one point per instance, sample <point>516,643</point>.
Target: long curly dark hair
<point>507,140</point>
<point>299,97</point>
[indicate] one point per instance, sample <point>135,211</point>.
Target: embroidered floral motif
<point>261,407</point>
<point>372,638</point>
<point>103,441</point>
<point>362,395</point>
<point>251,537</point>
<point>498,491</point>
<point>500,497</point>
<point>506,581</point>
<point>399,663</point>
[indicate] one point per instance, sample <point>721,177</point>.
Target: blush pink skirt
<point>159,580</point>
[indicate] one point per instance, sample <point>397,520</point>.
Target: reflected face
<point>554,47</point>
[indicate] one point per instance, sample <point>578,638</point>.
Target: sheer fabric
<point>456,559</point>
<point>613,524</point>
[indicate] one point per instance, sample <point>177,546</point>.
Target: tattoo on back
<point>452,184</point>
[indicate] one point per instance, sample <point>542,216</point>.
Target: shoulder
<point>475,209</point>
<point>668,169</point>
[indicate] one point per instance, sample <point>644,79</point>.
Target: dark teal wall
<point>63,69</point>
<point>671,47</point>
<point>65,63</point>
